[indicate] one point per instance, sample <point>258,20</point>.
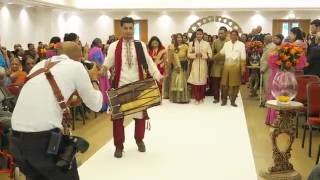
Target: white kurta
<point>199,71</point>
<point>128,73</point>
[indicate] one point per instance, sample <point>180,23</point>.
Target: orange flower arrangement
<point>255,47</point>
<point>287,56</point>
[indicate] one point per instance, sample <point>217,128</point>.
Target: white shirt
<point>37,108</point>
<point>130,74</point>
<point>234,52</point>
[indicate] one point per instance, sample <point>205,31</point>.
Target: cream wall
<point>19,24</point>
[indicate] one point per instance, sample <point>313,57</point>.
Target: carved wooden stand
<point>282,168</point>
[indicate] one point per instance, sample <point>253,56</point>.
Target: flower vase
<point>284,87</point>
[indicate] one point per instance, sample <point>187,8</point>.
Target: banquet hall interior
<point>238,99</point>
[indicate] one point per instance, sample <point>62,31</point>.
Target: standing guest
<point>314,29</point>
<point>199,51</point>
<point>215,37</point>
<point>244,38</point>
<point>277,39</point>
<point>205,37</point>
<point>258,36</point>
<point>264,68</point>
<point>159,55</point>
<point>185,38</point>
<point>112,38</point>
<point>234,68</point>
<point>130,65</point>
<point>218,63</point>
<point>53,46</point>
<point>168,71</point>
<point>179,87</point>
<point>314,58</point>
<point>96,55</point>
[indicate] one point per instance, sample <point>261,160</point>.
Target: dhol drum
<point>134,97</point>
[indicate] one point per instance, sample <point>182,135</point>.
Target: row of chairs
<point>308,94</point>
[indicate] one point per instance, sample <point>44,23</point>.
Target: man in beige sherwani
<point>234,67</point>
<point>199,51</point>
<point>264,69</point>
<point>218,63</point>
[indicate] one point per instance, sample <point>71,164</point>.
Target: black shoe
<point>141,146</point>
<point>216,101</point>
<point>234,104</point>
<point>224,103</point>
<point>118,153</point>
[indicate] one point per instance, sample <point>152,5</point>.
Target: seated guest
<point>18,77</point>
<point>32,51</point>
<point>314,58</point>
<point>18,52</point>
<point>41,51</point>
<point>53,46</point>
<point>28,64</point>
<point>4,59</point>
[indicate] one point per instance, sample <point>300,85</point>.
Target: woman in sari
<point>17,76</point>
<point>296,37</point>
<point>159,55</point>
<point>96,55</point>
<point>179,88</point>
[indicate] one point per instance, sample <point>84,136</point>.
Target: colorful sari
<point>96,55</point>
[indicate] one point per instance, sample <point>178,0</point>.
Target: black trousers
<point>29,151</point>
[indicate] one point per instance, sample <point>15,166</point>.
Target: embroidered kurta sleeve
<point>109,60</point>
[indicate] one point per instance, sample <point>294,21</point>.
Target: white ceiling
<point>157,5</point>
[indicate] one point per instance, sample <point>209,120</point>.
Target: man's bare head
<point>71,49</point>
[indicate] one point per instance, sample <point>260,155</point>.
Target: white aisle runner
<point>186,142</point>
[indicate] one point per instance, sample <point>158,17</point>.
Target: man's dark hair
<point>200,30</point>
<point>223,28</point>
<point>316,22</point>
<point>29,45</point>
<point>55,40</point>
<point>297,31</point>
<point>70,37</point>
<point>126,20</point>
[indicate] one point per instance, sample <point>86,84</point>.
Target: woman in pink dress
<point>296,37</point>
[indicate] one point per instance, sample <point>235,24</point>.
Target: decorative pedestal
<point>254,79</point>
<point>284,128</point>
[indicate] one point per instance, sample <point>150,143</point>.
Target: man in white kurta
<point>199,51</point>
<point>125,58</point>
<point>234,67</point>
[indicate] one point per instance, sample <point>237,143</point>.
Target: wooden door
<point>283,26</point>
